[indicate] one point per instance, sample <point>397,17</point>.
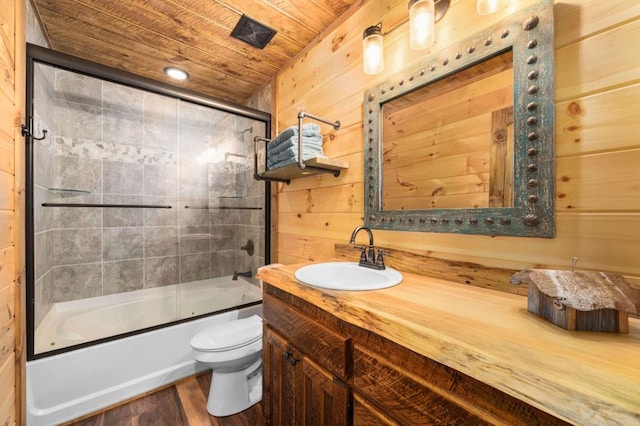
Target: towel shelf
<point>313,166</point>
<point>302,168</point>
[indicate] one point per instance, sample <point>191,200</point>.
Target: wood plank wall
<point>12,77</point>
<point>597,123</point>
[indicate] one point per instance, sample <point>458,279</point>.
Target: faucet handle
<point>380,259</point>
<point>363,252</point>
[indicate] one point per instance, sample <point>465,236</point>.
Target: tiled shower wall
<point>114,144</point>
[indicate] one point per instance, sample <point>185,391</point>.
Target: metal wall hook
<point>27,130</point>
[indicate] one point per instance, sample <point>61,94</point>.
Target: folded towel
<point>292,152</point>
<point>309,129</point>
<point>309,141</point>
<point>292,161</point>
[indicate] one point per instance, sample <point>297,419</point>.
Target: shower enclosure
<point>141,208</point>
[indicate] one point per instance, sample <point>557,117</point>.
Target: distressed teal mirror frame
<point>529,33</point>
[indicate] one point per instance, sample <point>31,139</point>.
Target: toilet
<point>233,350</point>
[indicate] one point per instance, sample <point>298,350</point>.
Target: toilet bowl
<point>233,351</point>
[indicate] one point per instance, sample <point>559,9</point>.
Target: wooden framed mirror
<point>464,141</point>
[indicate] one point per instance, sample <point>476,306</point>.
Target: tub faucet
<point>368,257</point>
<point>236,274</point>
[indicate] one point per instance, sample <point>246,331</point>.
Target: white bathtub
<point>79,321</point>
<point>78,382</point>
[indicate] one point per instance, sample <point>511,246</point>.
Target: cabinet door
<point>279,380</point>
<point>297,391</point>
<point>325,399</point>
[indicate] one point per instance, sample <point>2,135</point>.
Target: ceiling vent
<point>253,32</point>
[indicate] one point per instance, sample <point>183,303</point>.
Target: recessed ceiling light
<point>176,73</point>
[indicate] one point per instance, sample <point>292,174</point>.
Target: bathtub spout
<point>244,274</point>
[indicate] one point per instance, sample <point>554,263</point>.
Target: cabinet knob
<point>288,356</point>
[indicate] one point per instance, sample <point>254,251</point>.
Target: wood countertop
<point>586,378</point>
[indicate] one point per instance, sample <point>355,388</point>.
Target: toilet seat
<point>233,335</point>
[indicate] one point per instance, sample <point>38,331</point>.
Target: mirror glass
<point>463,141</point>
<point>450,144</point>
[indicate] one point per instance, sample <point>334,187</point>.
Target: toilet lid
<point>230,335</point>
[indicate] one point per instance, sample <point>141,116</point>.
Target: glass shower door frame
<point>36,54</point>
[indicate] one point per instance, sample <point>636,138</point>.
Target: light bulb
<point>421,24</point>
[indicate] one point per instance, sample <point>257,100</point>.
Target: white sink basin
<point>347,276</point>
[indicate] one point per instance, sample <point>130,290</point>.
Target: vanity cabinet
<point>319,369</point>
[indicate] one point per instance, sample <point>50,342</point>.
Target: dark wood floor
<point>181,404</point>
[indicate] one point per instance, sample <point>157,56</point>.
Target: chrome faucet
<point>368,257</point>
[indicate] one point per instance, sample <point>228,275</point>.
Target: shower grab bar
<point>222,208</point>
<point>120,206</point>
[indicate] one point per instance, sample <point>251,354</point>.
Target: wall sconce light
<point>372,50</point>
<point>423,14</point>
<point>487,7</point>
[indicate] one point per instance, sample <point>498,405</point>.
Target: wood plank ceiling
<point>145,36</point>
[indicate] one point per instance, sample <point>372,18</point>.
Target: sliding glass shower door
<point>143,207</point>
